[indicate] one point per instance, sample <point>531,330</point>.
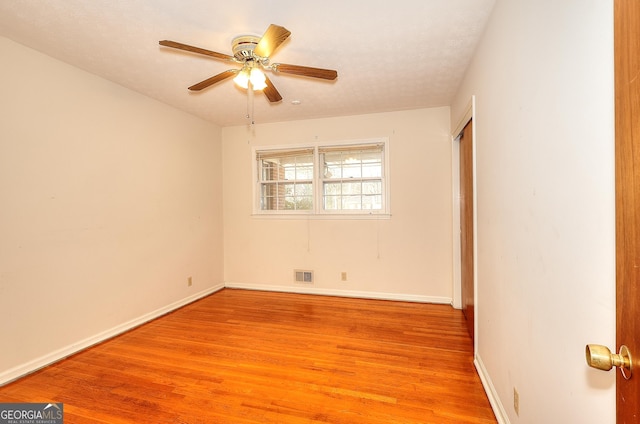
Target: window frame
<point>282,182</point>
<point>317,209</point>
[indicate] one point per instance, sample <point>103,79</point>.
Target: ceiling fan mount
<point>253,54</point>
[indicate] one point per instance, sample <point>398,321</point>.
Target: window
<point>323,179</point>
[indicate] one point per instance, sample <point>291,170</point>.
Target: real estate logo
<point>31,413</point>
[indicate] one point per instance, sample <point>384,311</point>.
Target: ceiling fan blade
<point>213,80</point>
<point>271,92</point>
<point>192,49</point>
<point>305,71</point>
<point>272,38</point>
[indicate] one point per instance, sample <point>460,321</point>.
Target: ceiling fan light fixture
<point>242,79</point>
<point>258,79</point>
<point>251,75</point>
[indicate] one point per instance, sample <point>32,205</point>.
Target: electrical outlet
<point>189,282</point>
<point>343,276</point>
<point>516,401</point>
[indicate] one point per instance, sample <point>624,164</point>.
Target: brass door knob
<point>600,357</point>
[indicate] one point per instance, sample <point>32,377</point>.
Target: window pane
<point>372,169</point>
<point>352,188</point>
<point>332,202</point>
<point>304,203</point>
<point>289,203</point>
<point>332,171</point>
<point>372,187</point>
<point>303,189</point>
<point>304,171</point>
<point>351,202</point>
<point>351,170</point>
<point>269,196</point>
<point>269,171</point>
<point>332,188</point>
<point>372,202</point>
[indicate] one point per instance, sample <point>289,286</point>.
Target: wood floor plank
<point>252,357</point>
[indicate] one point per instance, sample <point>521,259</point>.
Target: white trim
<point>457,260</point>
<point>360,216</point>
<point>474,137</point>
<point>489,388</point>
<point>341,293</point>
<point>35,364</point>
<point>469,113</point>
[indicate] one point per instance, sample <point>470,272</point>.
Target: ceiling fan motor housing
<point>243,47</point>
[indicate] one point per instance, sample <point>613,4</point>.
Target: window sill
<point>322,216</point>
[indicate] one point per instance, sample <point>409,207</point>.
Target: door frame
<point>626,20</point>
<point>468,114</point>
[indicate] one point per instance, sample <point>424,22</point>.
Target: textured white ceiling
<point>390,55</point>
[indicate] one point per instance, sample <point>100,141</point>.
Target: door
<point>466,226</point>
<point>627,127</point>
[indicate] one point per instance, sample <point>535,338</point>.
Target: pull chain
<point>250,104</point>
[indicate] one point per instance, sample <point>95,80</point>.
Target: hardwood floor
<point>261,357</point>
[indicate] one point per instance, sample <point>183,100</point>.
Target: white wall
<point>407,256</point>
<point>109,201</point>
<point>543,80</point>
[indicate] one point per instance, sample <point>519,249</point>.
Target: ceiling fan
<point>253,54</point>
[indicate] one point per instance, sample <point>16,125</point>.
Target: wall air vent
<point>302,276</point>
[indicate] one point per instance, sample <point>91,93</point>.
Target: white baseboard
<point>494,399</point>
<point>34,365</point>
<point>302,289</point>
